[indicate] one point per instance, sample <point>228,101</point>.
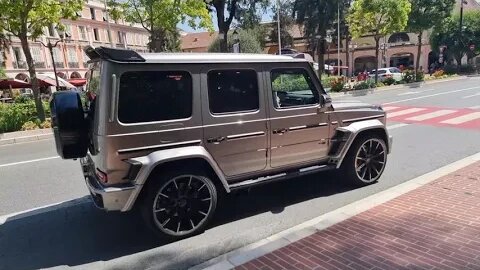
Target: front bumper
<point>107,198</point>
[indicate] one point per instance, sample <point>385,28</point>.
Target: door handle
<point>216,140</point>
<point>280,131</point>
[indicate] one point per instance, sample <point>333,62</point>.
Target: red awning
<point>13,83</point>
<point>78,82</point>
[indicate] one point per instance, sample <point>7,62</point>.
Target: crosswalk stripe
<point>403,112</point>
<point>430,115</point>
<point>389,108</point>
<point>462,119</point>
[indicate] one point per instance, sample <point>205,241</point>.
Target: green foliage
<point>290,83</point>
<point>327,81</point>
<point>14,116</point>
<point>286,23</point>
<point>248,42</point>
<point>2,72</point>
<point>380,84</point>
<point>426,14</point>
<point>466,69</point>
<point>362,85</point>
<point>23,99</point>
<point>409,76</point>
<point>447,33</point>
<point>378,17</point>
<point>389,81</point>
<point>447,69</point>
<point>338,84</point>
<point>160,18</point>
<point>29,125</point>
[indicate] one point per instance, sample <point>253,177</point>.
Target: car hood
<point>352,105</point>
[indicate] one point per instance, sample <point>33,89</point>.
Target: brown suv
<point>169,132</point>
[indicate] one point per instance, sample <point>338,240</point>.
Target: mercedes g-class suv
<point>169,132</point>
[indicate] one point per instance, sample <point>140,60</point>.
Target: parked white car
<point>384,73</point>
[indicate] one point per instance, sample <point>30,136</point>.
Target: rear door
<point>234,117</point>
<point>299,132</point>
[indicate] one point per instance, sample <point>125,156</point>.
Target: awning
<point>78,82</point>
<point>9,83</point>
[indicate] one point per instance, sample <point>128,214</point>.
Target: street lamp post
<point>50,47</point>
<point>384,46</point>
<point>352,47</point>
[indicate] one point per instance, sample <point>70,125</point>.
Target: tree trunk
<point>223,40</point>
<point>347,54</point>
<point>419,53</point>
<point>33,77</point>
<point>377,45</point>
<point>321,59</point>
<point>458,58</point>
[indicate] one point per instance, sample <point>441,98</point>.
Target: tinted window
<point>232,91</point>
<point>293,87</point>
<point>147,96</point>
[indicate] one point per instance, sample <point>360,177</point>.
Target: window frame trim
<point>307,106</point>
<point>234,113</point>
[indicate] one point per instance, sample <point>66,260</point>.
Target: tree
<point>243,11</point>
<point>2,73</point>
<point>316,16</point>
<point>26,20</point>
<point>378,18</point>
<point>248,42</point>
<point>425,15</point>
<point>458,43</point>
<point>160,18</point>
<point>286,23</point>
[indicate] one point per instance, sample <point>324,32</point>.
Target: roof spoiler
<point>114,55</point>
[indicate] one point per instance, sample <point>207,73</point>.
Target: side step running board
<point>282,176</point>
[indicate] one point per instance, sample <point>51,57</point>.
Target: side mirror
<point>325,101</point>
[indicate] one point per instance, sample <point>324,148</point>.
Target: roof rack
<point>111,54</point>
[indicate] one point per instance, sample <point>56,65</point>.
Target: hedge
<point>14,116</point>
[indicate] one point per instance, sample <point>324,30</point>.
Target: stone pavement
<point>436,226</point>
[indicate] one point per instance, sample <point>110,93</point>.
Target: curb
<point>242,255</point>
<point>23,139</point>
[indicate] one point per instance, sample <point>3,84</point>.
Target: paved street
<point>432,125</point>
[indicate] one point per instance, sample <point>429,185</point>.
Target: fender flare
<point>356,128</point>
<point>154,159</point>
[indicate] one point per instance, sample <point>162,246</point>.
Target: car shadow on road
<point>74,235</point>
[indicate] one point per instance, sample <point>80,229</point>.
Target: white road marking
<point>431,115</point>
<point>432,95</point>
<point>27,161</point>
<point>462,119</point>
<point>474,95</point>
<point>396,126</point>
<point>474,107</point>
<point>408,93</point>
<point>406,111</point>
<point>390,108</point>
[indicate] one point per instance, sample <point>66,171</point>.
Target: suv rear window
<point>232,91</point>
<point>148,96</point>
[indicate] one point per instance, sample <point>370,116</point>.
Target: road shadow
<point>73,235</point>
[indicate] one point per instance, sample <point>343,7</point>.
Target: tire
<point>365,161</point>
<point>179,204</point>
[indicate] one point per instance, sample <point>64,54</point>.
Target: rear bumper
<point>107,198</point>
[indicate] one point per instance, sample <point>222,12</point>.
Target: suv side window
<point>293,87</point>
<point>148,96</point>
<point>232,91</point>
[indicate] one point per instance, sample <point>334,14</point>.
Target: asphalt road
<point>78,235</point>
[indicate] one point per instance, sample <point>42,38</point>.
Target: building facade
<point>90,28</point>
<point>399,49</point>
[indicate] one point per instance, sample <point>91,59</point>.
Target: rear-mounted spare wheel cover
<point>69,125</point>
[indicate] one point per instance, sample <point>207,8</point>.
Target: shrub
<point>438,73</point>
<point>362,85</point>
<point>23,99</point>
<point>338,84</point>
<point>380,84</point>
<point>409,76</point>
<point>30,125</point>
<point>450,69</point>
<point>466,69</point>
<point>420,76</point>
<point>14,116</point>
<point>389,81</point>
<point>46,124</point>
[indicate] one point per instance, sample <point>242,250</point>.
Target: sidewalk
<point>25,136</point>
<point>436,226</point>
<point>430,222</point>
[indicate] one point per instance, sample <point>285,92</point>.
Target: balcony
<point>73,64</point>
<point>59,64</point>
<point>20,65</point>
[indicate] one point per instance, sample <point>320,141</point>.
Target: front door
<point>234,118</point>
<point>299,132</point>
